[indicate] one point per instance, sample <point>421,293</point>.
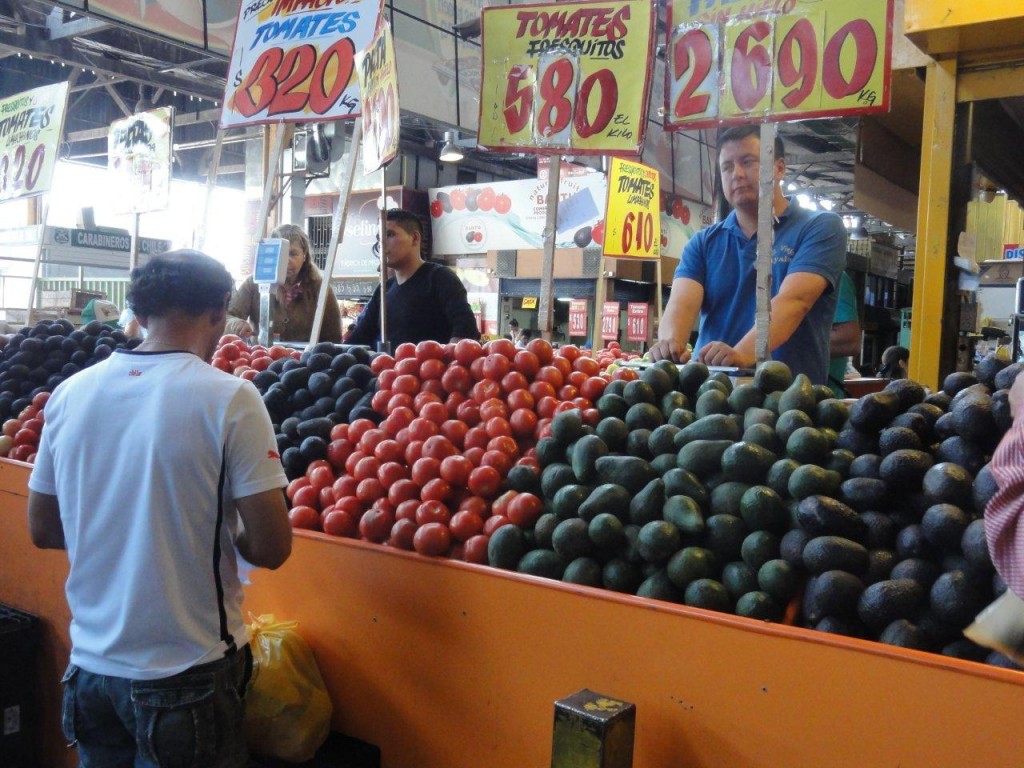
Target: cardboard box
<point>1000,272</point>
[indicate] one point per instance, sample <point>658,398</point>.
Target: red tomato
<point>485,480</point>
<point>436,490</point>
<point>500,505</point>
<point>406,510</point>
<point>541,389</point>
<point>228,338</point>
<point>307,496</point>
<point>524,510</point>
<point>11,427</point>
<point>495,366</point>
<point>339,432</point>
<point>406,385</point>
<point>375,525</point>
<point>402,533</point>
<point>381,362</point>
<point>455,431</point>
<point>521,398</point>
<point>529,461</point>
<point>321,477</point>
<point>345,486</point>
<point>562,364</point>
<point>405,351</point>
<point>514,381</point>
<point>497,427</point>
<point>593,388</point>
<point>457,379</point>
<point>468,413</point>
<point>476,437</point>
<point>475,549</point>
<point>467,350</point>
<point>523,422</point>
<point>565,405</point>
<point>475,455</point>
<point>625,374</point>
<point>476,369</point>
<point>438,447</point>
<point>358,428</point>
<point>432,539</point>
<point>380,400</point>
<point>587,365</point>
<point>304,517</point>
<point>493,408</point>
<point>391,472</point>
<point>435,412</point>
<point>383,503</point>
<point>434,387</point>
<point>421,428</point>
<point>429,350</point>
<point>402,490</point>
<point>248,374</point>
<point>550,374</point>
<point>576,378</point>
<point>542,349</point>
<point>499,460</point>
<point>493,523</point>
<point>366,468</point>
<point>410,366</point>
<point>432,511</point>
<point>413,451</point>
<point>476,504</point>
<point>341,522</point>
<point>369,490</point>
<point>568,392</point>
<point>569,351</point>
<point>582,403</point>
<point>353,459</point>
<point>455,470</point>
<point>386,379</point>
<point>504,347</point>
<point>432,368</point>
<point>591,416</point>
<point>425,470</point>
<point>546,406</point>
<point>371,439</point>
<point>295,485</point>
<point>465,525</point>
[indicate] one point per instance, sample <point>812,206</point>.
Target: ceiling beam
<point>56,27</point>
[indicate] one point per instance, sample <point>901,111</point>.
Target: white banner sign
<point>378,83</point>
<point>139,160</point>
<point>295,61</point>
<point>510,215</point>
<point>31,125</point>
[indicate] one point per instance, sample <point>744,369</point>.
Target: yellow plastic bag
<point>287,710</point>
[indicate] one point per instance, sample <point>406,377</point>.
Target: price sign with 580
<point>824,63</point>
<point>20,170</point>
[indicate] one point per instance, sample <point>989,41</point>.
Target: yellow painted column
<point>933,222</point>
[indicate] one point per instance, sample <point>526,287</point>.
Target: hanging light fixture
<point>450,152</point>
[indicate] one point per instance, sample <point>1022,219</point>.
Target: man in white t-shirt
<point>156,472</point>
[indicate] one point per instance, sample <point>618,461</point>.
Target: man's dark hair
<point>740,132</point>
<point>184,280</point>
<point>407,220</point>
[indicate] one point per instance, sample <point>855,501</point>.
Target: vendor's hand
<point>1017,396</point>
<point>670,349</point>
<point>720,353</point>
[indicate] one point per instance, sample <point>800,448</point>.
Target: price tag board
<point>565,77</point>
<point>378,83</point>
<point>296,62</point>
<point>139,160</point>
<point>578,317</point>
<point>610,321</point>
<point>812,58</point>
<point>31,124</point>
<point>271,261</point>
<point>638,318</point>
<point>633,218</point>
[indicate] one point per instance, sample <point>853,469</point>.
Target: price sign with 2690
<point>835,60</point>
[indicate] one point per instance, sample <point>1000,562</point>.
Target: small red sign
<point>610,321</point>
<point>578,317</point>
<point>637,321</point>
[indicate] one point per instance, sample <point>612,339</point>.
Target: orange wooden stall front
<point>446,665</point>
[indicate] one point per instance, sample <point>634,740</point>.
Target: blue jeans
<point>189,720</point>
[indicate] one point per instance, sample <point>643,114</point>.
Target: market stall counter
<point>443,663</point>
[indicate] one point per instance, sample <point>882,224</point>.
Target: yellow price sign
<point>562,77</point>
<point>529,302</point>
<point>377,71</point>
<point>815,58</point>
<point>633,218</point>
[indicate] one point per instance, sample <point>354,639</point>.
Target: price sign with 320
<point>834,60</point>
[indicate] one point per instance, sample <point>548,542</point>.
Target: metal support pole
<point>548,268</point>
<point>765,244</point>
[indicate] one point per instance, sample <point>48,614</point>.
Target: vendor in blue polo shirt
<point>716,275</point>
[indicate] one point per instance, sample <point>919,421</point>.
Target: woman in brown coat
<point>293,304</point>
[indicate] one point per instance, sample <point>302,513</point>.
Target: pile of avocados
<point>37,358</point>
<point>329,384</point>
<point>862,520</point>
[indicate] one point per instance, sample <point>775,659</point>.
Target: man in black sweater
<point>424,300</point>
